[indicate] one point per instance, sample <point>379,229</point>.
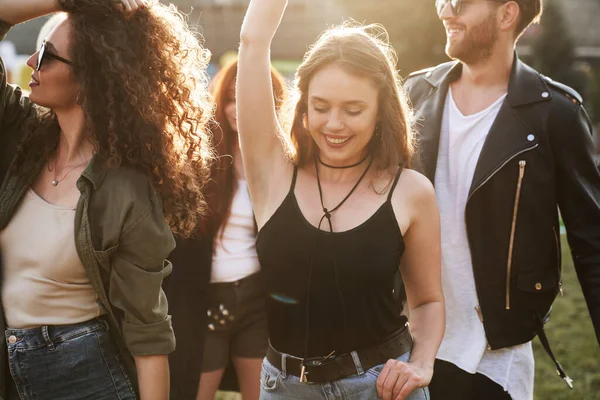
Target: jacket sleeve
<point>138,268</point>
<point>578,192</point>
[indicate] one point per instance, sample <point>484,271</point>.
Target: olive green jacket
<point>121,237</point>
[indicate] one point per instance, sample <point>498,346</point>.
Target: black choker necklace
<point>343,166</point>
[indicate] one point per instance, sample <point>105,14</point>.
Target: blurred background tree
<point>415,30</point>
<point>553,50</point>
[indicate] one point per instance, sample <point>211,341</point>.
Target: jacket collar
<point>508,137</point>
<point>94,172</point>
<point>525,86</point>
<point>444,74</point>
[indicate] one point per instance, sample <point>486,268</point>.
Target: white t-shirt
<point>234,255</point>
<point>465,345</point>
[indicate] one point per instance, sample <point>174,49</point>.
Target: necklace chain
<point>56,180</point>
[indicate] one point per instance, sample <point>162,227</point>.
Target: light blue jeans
<point>278,385</point>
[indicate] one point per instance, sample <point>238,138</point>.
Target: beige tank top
<point>44,281</point>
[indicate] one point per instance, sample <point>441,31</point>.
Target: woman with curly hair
<point>236,329</point>
<point>107,156</point>
<point>340,213</point>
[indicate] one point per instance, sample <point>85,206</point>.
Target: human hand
<point>398,379</point>
<point>129,7</point>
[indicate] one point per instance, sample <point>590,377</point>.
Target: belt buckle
<point>312,362</point>
<point>303,378</point>
<point>306,364</point>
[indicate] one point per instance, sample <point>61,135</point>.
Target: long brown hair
<point>144,94</point>
<point>222,184</point>
<point>365,51</point>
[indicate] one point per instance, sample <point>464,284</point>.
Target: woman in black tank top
<point>339,214</point>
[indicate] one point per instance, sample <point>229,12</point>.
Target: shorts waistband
<point>250,280</point>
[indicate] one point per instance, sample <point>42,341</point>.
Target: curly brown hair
<point>143,90</point>
<point>364,51</point>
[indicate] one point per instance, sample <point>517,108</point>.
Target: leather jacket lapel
<point>428,119</point>
<point>509,136</point>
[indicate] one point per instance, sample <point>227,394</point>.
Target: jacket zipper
<point>522,165</point>
<point>498,169</point>
<point>479,187</point>
<point>558,260</point>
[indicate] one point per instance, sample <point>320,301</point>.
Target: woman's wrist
<point>422,363</point>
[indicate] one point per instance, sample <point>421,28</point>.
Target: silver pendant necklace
<point>57,180</point>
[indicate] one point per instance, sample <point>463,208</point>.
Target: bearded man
<point>506,147</point>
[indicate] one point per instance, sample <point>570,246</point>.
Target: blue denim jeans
<point>278,385</point>
<point>68,362</point>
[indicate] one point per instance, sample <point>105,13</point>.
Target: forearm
<point>17,11</point>
<point>153,376</point>
<point>427,323</point>
<point>261,21</point>
<point>256,107</point>
<point>257,121</point>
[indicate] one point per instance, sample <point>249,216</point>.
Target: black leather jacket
<point>539,154</point>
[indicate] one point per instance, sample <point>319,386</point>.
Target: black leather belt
<point>327,369</point>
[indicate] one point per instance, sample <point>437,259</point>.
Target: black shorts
<point>237,322</point>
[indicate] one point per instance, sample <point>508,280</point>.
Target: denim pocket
<point>376,370</point>
<point>426,393</point>
<point>125,375</point>
<point>269,377</point>
<point>115,366</point>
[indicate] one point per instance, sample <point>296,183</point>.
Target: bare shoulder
<point>413,187</point>
<point>413,198</point>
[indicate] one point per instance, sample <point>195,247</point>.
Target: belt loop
<point>284,365</point>
<point>46,337</point>
<point>357,364</point>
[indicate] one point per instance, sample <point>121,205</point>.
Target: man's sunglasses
<point>456,5</point>
<point>44,53</point>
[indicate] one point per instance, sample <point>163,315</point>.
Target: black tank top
<point>351,304</point>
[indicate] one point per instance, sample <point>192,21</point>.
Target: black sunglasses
<point>456,5</point>
<point>45,53</point>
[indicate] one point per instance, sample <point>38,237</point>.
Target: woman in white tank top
<point>234,317</point>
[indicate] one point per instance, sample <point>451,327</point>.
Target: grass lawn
<point>571,335</point>
<point>573,341</point>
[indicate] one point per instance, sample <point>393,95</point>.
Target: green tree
<point>593,102</point>
<point>413,26</point>
<point>553,48</point>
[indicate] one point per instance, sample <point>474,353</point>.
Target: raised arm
<point>15,107</point>
<point>17,11</point>
<point>258,126</point>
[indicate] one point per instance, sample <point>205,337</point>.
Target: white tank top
<point>234,255</point>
